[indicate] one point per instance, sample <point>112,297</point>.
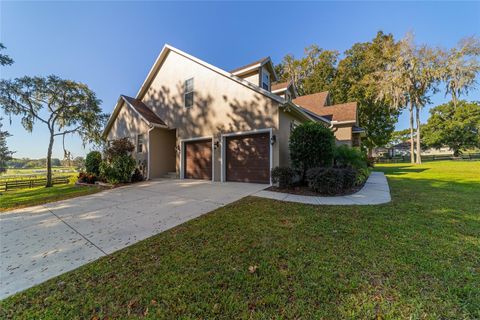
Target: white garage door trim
<point>241,133</point>
<point>182,155</point>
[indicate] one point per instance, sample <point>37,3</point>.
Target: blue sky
<point>111,45</point>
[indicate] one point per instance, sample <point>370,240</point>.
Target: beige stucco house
<point>201,122</point>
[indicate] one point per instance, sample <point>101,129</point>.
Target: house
<point>201,122</point>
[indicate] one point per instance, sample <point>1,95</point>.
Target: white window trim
<point>185,92</point>
<point>136,143</point>
<point>265,71</point>
<point>240,133</point>
<point>182,154</point>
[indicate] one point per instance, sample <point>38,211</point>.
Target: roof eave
<point>167,48</point>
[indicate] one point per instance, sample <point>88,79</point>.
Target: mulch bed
<point>305,191</point>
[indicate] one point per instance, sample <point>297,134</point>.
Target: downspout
<point>149,149</point>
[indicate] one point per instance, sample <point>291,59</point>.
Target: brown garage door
<point>248,158</point>
<point>198,159</point>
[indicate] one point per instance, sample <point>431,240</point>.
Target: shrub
<point>119,170</point>
<point>92,162</point>
<point>86,177</point>
<point>325,180</point>
<point>349,177</point>
<point>119,147</point>
<point>137,176</point>
<point>311,145</point>
<point>362,176</point>
<point>346,156</point>
<point>107,173</point>
<point>331,180</point>
<point>284,176</point>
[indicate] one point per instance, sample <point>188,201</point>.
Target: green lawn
<point>29,197</point>
<point>415,258</point>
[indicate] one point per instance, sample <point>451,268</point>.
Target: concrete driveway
<point>41,242</point>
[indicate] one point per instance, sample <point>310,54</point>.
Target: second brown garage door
<point>248,158</point>
<point>198,159</point>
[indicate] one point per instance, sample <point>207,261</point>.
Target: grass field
<point>21,174</point>
<point>417,257</point>
<point>16,199</point>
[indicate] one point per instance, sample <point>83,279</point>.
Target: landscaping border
<point>375,191</point>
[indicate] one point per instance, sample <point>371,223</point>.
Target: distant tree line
<point>27,163</point>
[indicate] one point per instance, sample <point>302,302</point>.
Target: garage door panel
<point>248,158</point>
<point>198,159</point>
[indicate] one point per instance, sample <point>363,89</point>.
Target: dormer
<point>285,90</point>
<point>261,73</point>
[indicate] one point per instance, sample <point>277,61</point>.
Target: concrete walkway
<point>41,242</point>
<point>375,191</point>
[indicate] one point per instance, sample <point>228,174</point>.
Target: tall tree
<point>408,81</point>
<point>5,154</point>
<point>460,67</point>
<point>63,106</point>
<point>352,83</point>
<point>456,125</point>
<point>313,73</point>
<point>320,69</point>
<point>5,60</point>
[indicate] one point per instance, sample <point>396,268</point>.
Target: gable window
<point>188,93</point>
<point>140,143</point>
<point>265,80</point>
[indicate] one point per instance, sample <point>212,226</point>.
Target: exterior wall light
<point>273,139</point>
<point>216,144</point>
<point>177,148</point>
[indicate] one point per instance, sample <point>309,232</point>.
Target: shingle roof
<point>143,110</point>
<point>317,103</point>
<point>250,64</point>
<point>312,101</point>
<point>280,85</point>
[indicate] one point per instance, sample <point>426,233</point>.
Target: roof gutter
<point>343,122</point>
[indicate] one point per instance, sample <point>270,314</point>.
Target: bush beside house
<point>319,165</point>
<point>117,165</point>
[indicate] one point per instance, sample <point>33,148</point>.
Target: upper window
<point>265,80</point>
<point>188,94</point>
<point>140,143</point>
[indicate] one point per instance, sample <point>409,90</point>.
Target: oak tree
<point>63,106</point>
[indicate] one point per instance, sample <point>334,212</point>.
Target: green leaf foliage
<point>346,156</point>
<point>93,161</point>
<point>311,145</point>
<point>62,106</point>
<point>456,127</point>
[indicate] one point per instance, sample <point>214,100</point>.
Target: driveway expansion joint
<point>77,232</point>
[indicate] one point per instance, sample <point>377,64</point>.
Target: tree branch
<point>67,132</point>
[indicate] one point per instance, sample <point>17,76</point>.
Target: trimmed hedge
<point>284,176</point>
<point>331,180</point>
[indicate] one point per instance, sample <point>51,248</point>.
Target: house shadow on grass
<point>400,170</point>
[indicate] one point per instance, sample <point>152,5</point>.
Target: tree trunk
<point>419,146</point>
<point>454,99</point>
<point>49,161</point>
<point>412,143</point>
<point>370,152</point>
